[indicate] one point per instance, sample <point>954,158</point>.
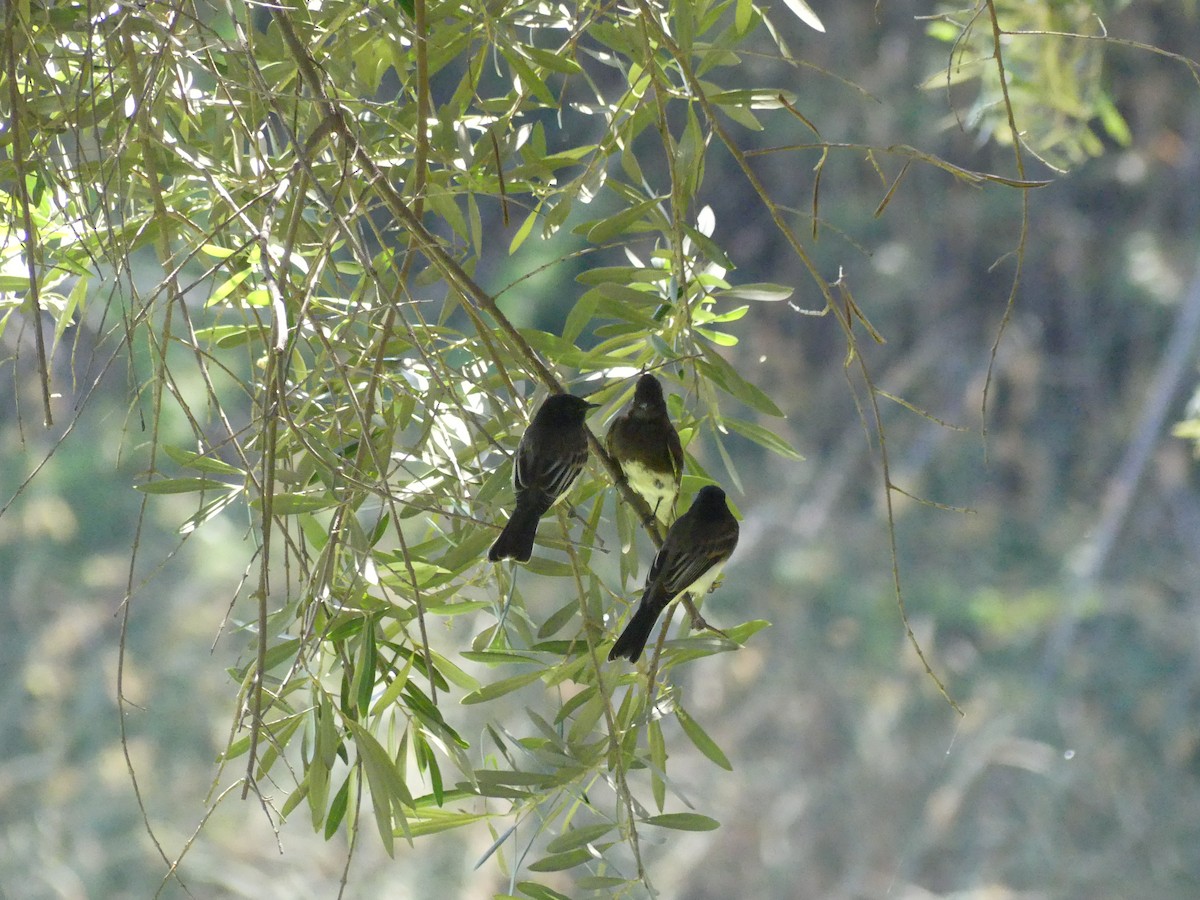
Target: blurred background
<point>1061,609</point>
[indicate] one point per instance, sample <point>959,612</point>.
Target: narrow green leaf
<point>453,673</point>
<point>500,688</point>
<point>558,619</point>
<point>761,436</point>
<point>199,461</point>
<point>540,891</point>
<point>434,821</point>
<point>574,703</point>
<point>742,16</point>
<point>496,657</point>
<point>603,883</point>
<point>721,372</point>
<point>227,336</point>
<point>684,822</point>
<point>719,338</point>
<point>230,285</point>
<point>580,315</point>
<point>180,485</point>
<point>620,275</point>
<point>710,248</point>
<point>761,292</point>
<point>290,504</point>
<point>530,80</point>
<point>557,862</point>
<point>337,809</point>
<point>523,231</point>
<point>514,778</point>
<point>578,837</point>
<point>734,476</point>
<point>753,99</point>
<point>703,742</point>
<point>742,633</point>
<point>616,224</point>
<point>658,759</point>
<point>805,14</point>
<point>556,62</point>
<point>587,718</point>
<point>364,674</point>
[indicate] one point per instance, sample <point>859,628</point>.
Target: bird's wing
<point>550,476</point>
<point>676,449</point>
<point>564,470</point>
<point>676,567</point>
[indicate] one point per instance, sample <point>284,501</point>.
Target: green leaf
<point>804,12</point>
<point>621,275</point>
<point>290,504</point>
<point>587,718</point>
<point>1114,123</point>
<point>558,619</point>
<point>580,316</point>
<point>230,285</point>
<point>578,837</point>
<point>658,758</point>
<point>496,657</point>
<point>616,224</point>
<point>434,821</point>
<point>389,793</point>
<point>364,674</point>
<point>530,80</point>
<point>181,485</point>
<point>523,231</point>
<point>753,99</point>
<point>199,461</point>
<point>540,891</point>
<point>684,822</point>
<point>761,436</point>
<point>556,62</point>
<point>500,688</point>
<point>703,742</point>
<point>710,248</point>
<point>453,673</point>
<point>719,338</point>
<point>761,292</point>
<point>337,809</point>
<point>557,862</point>
<point>743,16</point>
<point>228,336</point>
<point>514,778</point>
<point>720,371</point>
<point>390,695</point>
<point>742,633</point>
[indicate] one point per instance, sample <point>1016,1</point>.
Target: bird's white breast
<point>657,489</point>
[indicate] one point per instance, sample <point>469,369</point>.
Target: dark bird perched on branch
<point>645,444</point>
<point>696,549</point>
<point>551,454</point>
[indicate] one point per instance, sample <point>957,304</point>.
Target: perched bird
<point>645,444</point>
<point>696,549</point>
<point>551,453</point>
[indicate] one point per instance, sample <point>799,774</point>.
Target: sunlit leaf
<point>806,15</point>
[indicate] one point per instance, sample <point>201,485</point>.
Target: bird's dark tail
<point>633,639</point>
<point>516,540</point>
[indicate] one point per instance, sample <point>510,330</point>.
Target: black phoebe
<point>696,549</point>
<point>550,455</point>
<point>646,446</point>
